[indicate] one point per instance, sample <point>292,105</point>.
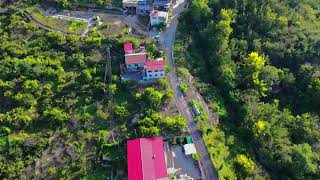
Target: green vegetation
<point>160,27</point>
<point>183,88</point>
<point>196,156</point>
<point>99,3</point>
<point>152,123</point>
<point>257,64</point>
<point>63,25</point>
<point>58,119</point>
<point>203,115</point>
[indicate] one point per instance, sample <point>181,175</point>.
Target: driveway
<point>166,41</point>
<point>184,164</point>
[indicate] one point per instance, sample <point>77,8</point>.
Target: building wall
<point>154,74</point>
<point>134,67</point>
<point>129,4</point>
<point>157,20</point>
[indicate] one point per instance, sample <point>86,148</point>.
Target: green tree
<point>153,98</point>
<point>120,112</point>
<point>246,165</point>
<point>162,84</point>
<point>303,161</point>
<point>183,88</point>
<point>56,38</point>
<point>72,39</point>
<point>183,72</point>
<point>175,125</point>
<point>168,96</point>
<point>56,114</point>
<point>251,69</point>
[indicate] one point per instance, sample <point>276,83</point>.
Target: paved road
<point>166,41</point>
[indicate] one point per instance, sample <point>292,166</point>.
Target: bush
<point>183,88</point>
<point>160,26</point>
<point>183,72</point>
<point>167,69</point>
<point>196,156</point>
<point>162,84</point>
<point>245,164</point>
<point>168,96</point>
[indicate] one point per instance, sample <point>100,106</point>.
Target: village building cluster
<point>136,61</point>
<point>157,10</point>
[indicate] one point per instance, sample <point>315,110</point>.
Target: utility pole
<point>108,72</point>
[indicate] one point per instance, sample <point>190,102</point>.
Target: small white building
<point>126,4</point>
<point>189,149</point>
<point>158,17</point>
<point>154,70</point>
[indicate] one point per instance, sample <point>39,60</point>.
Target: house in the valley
<point>134,58</point>
<point>144,7</point>
<point>130,5</point>
<point>146,159</point>
<point>135,61</point>
<point>158,17</point>
<point>154,70</point>
<point>140,7</point>
<point>162,5</point>
<point>128,48</point>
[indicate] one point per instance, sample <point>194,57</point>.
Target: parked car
<point>195,110</point>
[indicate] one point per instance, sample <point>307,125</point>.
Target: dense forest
<point>257,64</point>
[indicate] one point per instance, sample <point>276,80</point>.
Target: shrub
<point>196,156</point>
<point>183,88</point>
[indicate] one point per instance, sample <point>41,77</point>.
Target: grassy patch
<point>77,26</point>
<point>64,25</point>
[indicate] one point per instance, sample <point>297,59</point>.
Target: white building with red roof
<point>134,58</point>
<point>154,70</point>
<point>135,61</point>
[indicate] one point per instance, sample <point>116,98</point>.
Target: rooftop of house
<point>128,47</point>
<point>162,2</point>
<point>154,65</point>
<point>130,1</point>
<point>136,58</point>
<point>156,13</point>
<point>146,159</point>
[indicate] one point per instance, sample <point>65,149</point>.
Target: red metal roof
<point>128,47</point>
<point>154,65</point>
<point>146,159</point>
<point>136,58</point>
<point>153,13</point>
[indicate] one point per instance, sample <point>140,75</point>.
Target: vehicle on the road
<point>195,109</point>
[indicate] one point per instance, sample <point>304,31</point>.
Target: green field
<point>67,26</point>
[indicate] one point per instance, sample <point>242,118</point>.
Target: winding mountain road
<point>166,41</point>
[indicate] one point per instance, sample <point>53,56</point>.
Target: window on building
<point>150,75</point>
<point>136,64</point>
<point>161,74</point>
<point>156,75</point>
<point>149,71</point>
<point>156,71</point>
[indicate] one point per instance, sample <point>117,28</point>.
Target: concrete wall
<point>135,67</point>
<point>154,74</point>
